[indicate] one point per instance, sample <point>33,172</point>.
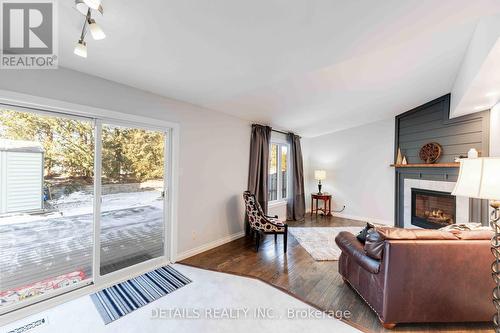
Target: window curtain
<point>258,171</point>
<point>296,205</point>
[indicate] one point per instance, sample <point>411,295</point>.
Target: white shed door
<point>24,181</point>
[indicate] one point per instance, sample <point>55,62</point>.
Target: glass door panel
<point>132,204</point>
<point>46,204</point>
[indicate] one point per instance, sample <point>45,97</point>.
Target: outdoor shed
<point>21,176</point>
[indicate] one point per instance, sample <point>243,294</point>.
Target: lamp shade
<point>479,178</point>
<point>319,174</point>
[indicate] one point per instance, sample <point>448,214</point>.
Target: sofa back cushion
<point>389,233</point>
<point>376,237</point>
<point>475,234</point>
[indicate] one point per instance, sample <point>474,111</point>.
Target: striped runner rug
<point>115,302</point>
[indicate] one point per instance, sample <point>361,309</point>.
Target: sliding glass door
<point>132,192</point>
<point>46,204</point>
<point>79,199</point>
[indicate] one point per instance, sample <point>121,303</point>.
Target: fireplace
<point>432,209</point>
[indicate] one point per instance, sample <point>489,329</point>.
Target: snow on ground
<point>80,203</point>
<point>34,251</point>
<point>55,243</point>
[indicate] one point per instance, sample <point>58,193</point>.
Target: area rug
<point>320,242</point>
<point>115,302</point>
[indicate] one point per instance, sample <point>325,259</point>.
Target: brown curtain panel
<point>296,207</point>
<point>259,165</point>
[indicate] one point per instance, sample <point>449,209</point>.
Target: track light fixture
<point>85,7</point>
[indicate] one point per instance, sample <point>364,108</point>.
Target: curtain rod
<point>277,131</point>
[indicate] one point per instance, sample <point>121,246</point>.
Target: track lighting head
<point>81,49</point>
<point>94,4</point>
<point>83,8</point>
<point>96,30</point>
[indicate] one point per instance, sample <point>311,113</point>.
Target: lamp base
<point>319,188</point>
<point>495,266</point>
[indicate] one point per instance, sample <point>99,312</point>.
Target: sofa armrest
<point>352,247</point>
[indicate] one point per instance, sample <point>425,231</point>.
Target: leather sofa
<point>420,276</point>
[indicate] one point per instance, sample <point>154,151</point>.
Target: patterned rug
<point>115,302</point>
<point>320,242</point>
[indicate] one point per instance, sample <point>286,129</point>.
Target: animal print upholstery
<point>256,217</point>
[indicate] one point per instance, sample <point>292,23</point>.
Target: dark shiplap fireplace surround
<point>431,123</point>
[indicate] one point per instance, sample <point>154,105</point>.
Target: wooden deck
<point>34,251</point>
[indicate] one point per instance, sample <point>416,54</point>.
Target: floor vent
<point>32,326</point>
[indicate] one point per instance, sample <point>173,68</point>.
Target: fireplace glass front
<point>432,209</point>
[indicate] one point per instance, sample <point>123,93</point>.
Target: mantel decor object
<point>480,178</point>
<point>399,157</point>
<point>430,152</point>
<point>472,153</point>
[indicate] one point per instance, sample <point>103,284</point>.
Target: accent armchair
<point>263,224</point>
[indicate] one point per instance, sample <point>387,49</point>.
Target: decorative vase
<point>404,161</point>
<point>472,153</point>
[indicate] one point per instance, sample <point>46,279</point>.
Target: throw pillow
<point>363,233</point>
<point>374,245</point>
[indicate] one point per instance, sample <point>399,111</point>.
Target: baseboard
<point>209,246</point>
<point>361,218</point>
<point>364,219</point>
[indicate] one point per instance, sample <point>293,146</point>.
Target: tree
<point>128,154</point>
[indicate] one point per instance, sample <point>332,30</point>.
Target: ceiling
<point>305,65</point>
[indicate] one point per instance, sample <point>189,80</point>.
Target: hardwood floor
<point>315,282</point>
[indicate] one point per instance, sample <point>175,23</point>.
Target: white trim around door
<point>20,102</point>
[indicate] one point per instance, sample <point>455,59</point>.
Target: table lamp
<point>480,178</point>
<point>319,175</point>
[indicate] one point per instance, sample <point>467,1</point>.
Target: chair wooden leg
<point>257,240</point>
<point>285,239</point>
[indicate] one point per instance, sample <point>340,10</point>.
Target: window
<point>278,171</point>
<point>81,202</point>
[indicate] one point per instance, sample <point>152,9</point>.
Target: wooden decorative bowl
<point>430,152</point>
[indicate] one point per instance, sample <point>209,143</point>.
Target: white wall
<point>495,131</point>
<point>357,170</point>
<point>213,152</point>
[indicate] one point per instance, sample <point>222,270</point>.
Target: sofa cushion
<point>475,234</point>
<point>390,233</point>
<point>374,244</point>
<point>353,248</point>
